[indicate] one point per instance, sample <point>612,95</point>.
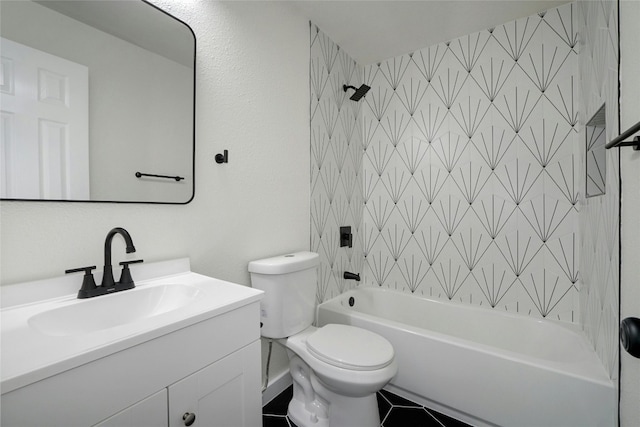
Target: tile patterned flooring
<point>395,411</point>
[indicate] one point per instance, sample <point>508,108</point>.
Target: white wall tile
<point>488,124</point>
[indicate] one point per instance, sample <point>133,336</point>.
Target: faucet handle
<point>126,281</point>
<point>125,264</point>
<point>88,283</point>
<point>87,270</point>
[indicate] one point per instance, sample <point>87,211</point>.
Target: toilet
<point>336,369</point>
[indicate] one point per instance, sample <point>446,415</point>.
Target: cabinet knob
<point>189,418</point>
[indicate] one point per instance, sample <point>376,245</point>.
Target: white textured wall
<point>252,99</point>
<point>630,173</point>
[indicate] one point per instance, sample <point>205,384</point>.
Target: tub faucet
<point>351,276</point>
<point>107,276</point>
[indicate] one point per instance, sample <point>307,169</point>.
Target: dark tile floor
<point>395,411</point>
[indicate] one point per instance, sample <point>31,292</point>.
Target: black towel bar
<point>177,178</point>
<point>620,140</point>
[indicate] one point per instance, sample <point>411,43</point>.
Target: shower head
<point>359,92</point>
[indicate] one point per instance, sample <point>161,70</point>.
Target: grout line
<point>384,397</point>
<point>434,417</point>
<point>385,418</point>
<point>416,406</point>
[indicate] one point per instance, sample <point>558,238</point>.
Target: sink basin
<point>104,312</point>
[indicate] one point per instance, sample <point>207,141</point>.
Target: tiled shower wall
<point>462,171</point>
<point>470,171</point>
<point>336,164</point>
<point>600,216</point>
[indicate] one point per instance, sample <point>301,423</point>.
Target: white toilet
<point>336,369</point>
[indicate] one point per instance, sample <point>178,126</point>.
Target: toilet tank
<point>289,283</point>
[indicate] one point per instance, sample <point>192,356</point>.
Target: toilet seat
<point>349,347</point>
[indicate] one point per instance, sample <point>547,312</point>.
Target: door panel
<point>45,125</point>
<point>225,393</point>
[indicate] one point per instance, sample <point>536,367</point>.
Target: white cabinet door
<point>150,412</point>
<point>224,394</point>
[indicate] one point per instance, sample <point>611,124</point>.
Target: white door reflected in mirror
<point>45,136</point>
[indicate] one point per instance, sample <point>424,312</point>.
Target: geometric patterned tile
<point>395,411</point>
<point>336,163</point>
<point>598,216</point>
<point>457,139</point>
<point>276,421</point>
<point>408,416</point>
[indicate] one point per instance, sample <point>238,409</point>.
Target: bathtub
<point>480,366</point>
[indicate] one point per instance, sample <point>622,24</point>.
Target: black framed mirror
<point>98,102</point>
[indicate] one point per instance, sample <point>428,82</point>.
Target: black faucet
<point>109,285</point>
<point>107,275</point>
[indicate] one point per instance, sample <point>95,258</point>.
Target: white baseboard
<point>276,386</point>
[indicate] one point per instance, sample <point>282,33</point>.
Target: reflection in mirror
<point>596,153</point>
<point>94,91</point>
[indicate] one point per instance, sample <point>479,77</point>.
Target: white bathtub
<point>482,366</point>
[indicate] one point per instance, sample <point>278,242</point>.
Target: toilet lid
<point>350,347</point>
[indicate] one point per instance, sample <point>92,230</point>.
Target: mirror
<point>97,100</point>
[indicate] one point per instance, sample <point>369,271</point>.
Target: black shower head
<point>359,92</point>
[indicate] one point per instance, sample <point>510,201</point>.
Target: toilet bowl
<point>352,360</point>
<point>336,369</point>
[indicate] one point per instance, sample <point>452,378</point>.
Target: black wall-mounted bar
<point>620,141</point>
<point>177,178</point>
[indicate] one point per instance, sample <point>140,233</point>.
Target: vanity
<point>178,349</point>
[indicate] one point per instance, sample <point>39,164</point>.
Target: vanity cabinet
<point>152,411</point>
<point>210,368</point>
<point>216,395</point>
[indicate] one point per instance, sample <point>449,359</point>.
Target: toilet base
<point>329,409</point>
<point>364,414</point>
<point>304,418</point>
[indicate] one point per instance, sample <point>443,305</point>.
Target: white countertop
<point>28,355</point>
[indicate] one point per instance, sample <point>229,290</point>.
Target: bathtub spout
<point>351,276</point>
